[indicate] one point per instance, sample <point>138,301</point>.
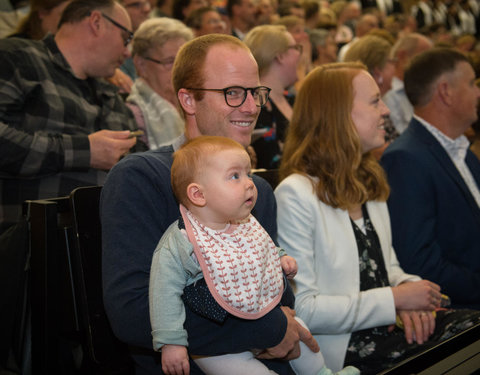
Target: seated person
<point>211,179</point>
<point>61,126</point>
<point>42,18</point>
<point>206,20</point>
<point>137,198</point>
<point>152,98</point>
<point>277,55</point>
<point>435,178</point>
<point>333,219</point>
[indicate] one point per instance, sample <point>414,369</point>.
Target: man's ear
<point>195,194</point>
<point>187,101</point>
<point>94,21</point>
<point>280,57</point>
<point>444,91</point>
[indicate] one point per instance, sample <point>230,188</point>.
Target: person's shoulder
<point>296,185</point>
<point>161,156</point>
<point>149,165</point>
<point>295,180</point>
<point>172,235</point>
<point>11,47</point>
<point>415,138</point>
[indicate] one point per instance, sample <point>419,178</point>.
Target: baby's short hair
<point>189,160</point>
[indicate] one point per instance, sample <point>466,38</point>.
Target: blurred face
<point>290,60</point>
<point>246,11</point>
<point>465,96</point>
<point>50,18</point>
<point>298,33</point>
<point>386,74</point>
<point>264,12</point>
<point>138,10</point>
<point>113,48</point>
<point>211,23</point>
<point>299,12</point>
<point>194,4</point>
<point>330,49</point>
<point>159,75</point>
<point>368,112</point>
<point>228,188</point>
<point>225,67</point>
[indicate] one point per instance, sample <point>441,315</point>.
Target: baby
<point>218,240</point>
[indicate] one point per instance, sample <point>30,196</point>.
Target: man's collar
<point>457,146</point>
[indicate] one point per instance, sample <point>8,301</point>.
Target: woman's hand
<point>417,324</point>
<point>417,295</point>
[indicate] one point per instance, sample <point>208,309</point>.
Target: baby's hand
<point>175,360</point>
<point>289,266</point>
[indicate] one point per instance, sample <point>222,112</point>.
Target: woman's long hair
<point>323,142</point>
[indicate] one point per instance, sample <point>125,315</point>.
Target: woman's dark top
<point>269,146</point>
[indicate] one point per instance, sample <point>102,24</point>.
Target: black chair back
<point>70,330</point>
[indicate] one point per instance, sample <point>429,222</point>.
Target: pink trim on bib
<point>241,266</point>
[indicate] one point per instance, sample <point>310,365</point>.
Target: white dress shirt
<point>456,150</point>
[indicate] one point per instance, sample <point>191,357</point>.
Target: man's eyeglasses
<point>235,95</point>
<point>298,47</point>
<point>129,37</point>
<point>167,63</point>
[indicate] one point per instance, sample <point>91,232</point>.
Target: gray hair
<point>155,32</point>
<point>318,37</point>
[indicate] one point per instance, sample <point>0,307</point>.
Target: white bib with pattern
<point>241,265</point>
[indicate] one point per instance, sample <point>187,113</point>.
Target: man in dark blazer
<point>435,180</point>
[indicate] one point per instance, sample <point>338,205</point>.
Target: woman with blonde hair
<point>333,219</point>
<point>277,55</point>
<point>375,52</point>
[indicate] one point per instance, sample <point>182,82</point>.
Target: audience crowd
<point>366,111</point>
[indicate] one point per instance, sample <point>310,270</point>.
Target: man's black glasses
<point>235,95</point>
<point>126,40</point>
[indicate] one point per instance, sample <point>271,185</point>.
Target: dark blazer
<point>396,6</point>
<point>435,219</point>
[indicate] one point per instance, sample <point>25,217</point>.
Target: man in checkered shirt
<point>62,127</point>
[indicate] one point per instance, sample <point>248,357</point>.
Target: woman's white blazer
<point>327,285</point>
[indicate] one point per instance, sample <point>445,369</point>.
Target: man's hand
<point>108,146</point>
<point>175,360</point>
<point>289,347</point>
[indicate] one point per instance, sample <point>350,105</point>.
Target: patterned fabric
<point>390,132</point>
<point>373,350</point>
<point>162,122</point>
<point>269,146</point>
<point>241,265</point>
<point>46,115</point>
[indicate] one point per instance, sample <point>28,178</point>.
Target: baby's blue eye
<point>235,176</point>
<point>250,175</point>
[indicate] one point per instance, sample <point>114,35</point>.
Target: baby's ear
<point>195,194</point>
